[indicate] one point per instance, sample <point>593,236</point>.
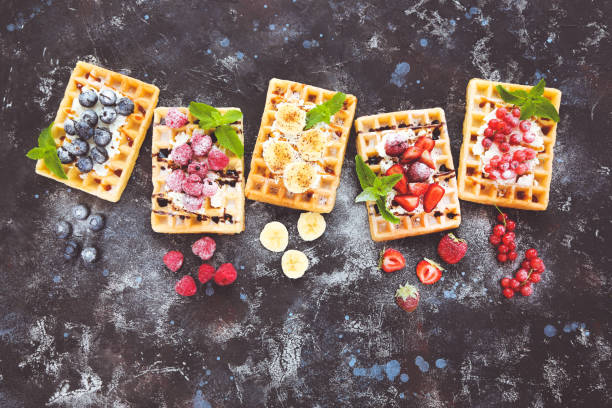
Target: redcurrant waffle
<point>482,98</point>
<point>447,215</point>
<point>226,217</point>
<point>263,185</point>
<point>110,186</point>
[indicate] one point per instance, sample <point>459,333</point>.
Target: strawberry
<point>407,202</point>
<point>425,143</point>
<point>417,189</point>
<point>401,186</point>
<point>452,249</point>
<point>392,260</point>
<point>407,297</point>
<point>428,271</point>
<point>426,158</point>
<point>434,194</point>
<point>411,154</point>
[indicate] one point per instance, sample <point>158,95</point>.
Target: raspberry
<point>226,274</point>
<point>535,277</point>
<point>175,119</point>
<point>508,293</point>
<point>174,181</point>
<point>526,290</point>
<point>499,137</point>
<point>531,253</point>
<point>192,203</point>
<point>505,282</point>
<point>204,248</point>
<point>199,168</point>
<point>217,160</point>
<point>488,132</point>
<point>395,146</point>
<point>503,166</point>
<point>494,175</point>
<point>193,185</point>
<point>495,124</point>
<point>209,188</point>
<point>201,143</point>
<point>181,155</point>
<point>495,239</point>
<point>186,286</point>
<point>513,122</point>
<point>512,247</point>
<point>514,164</point>
<point>205,273</point>
<point>506,158</point>
<point>173,260</point>
<point>494,162</point>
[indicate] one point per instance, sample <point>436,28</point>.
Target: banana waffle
<point>274,162</point>
<point>428,122</point>
<point>482,98</point>
<point>222,213</point>
<point>109,180</point>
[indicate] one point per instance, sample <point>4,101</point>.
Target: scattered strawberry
<point>425,143</point>
<point>392,260</point>
<point>408,202</point>
<point>175,119</point>
<point>418,172</point>
<point>407,297</point>
<point>204,248</point>
<point>205,273</point>
<point>428,271</point>
<point>434,194</point>
<point>427,159</point>
<point>452,249</point>
<point>225,275</point>
<point>417,189</point>
<point>186,286</point>
<point>401,186</point>
<point>173,260</point>
<point>411,154</point>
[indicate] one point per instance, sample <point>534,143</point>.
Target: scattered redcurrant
<point>502,257</point>
<point>521,275</point>
<point>526,290</point>
<point>499,229</point>
<point>512,254</point>
<point>531,253</point>
<point>505,282</point>
<point>508,293</point>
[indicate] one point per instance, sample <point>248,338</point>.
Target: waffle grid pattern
<point>368,136</point>
<point>482,98</point>
<point>263,185</point>
<point>111,186</point>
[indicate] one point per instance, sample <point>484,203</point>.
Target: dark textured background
<point>115,334</point>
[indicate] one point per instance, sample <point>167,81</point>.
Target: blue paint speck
<point>352,362</point>
<point>404,377</point>
<point>422,364</point>
<point>138,280</point>
<point>321,35</point>
<point>290,313</point>
<point>398,77</point>
<point>208,372</point>
<point>66,334</point>
<point>240,55</point>
<point>208,51</point>
<point>105,272</point>
<point>484,22</point>
<point>441,363</point>
<point>453,23</point>
<point>310,44</point>
<point>243,296</point>
<point>418,81</point>
<point>286,39</point>
<point>11,27</point>
<point>242,266</point>
<point>550,330</point>
<point>231,378</point>
<point>265,6</point>
<point>347,317</point>
<point>224,42</point>
<point>199,401</point>
<point>423,42</point>
<point>272,27</point>
<point>254,56</point>
<point>289,330</point>
<point>549,39</point>
<point>462,273</point>
<point>340,336</point>
<point>172,322</point>
<point>392,369</point>
<point>209,291</point>
<point>218,358</point>
<point>36,196</point>
<point>449,294</point>
<point>69,190</point>
<point>57,279</point>
<point>402,396</point>
<point>146,16</point>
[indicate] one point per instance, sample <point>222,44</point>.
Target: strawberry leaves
<point>375,188</point>
<point>46,151</point>
<point>210,118</point>
<point>324,111</point>
<point>532,103</point>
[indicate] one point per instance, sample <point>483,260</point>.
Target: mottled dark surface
<point>115,334</point>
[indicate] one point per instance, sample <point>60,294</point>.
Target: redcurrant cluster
<point>530,272</point>
<point>503,238</point>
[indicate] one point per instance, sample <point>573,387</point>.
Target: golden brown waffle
<point>482,98</point>
<point>165,216</point>
<point>447,215</point>
<point>262,185</point>
<point>111,186</point>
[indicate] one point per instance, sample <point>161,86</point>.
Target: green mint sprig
<point>211,118</point>
<point>375,188</point>
<point>47,151</point>
<point>532,103</point>
<point>324,111</point>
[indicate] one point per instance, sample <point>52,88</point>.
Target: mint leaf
<point>37,153</point>
<point>53,163</point>
<point>538,90</point>
<point>45,139</point>
<point>208,116</point>
<point>231,116</point>
<point>227,137</point>
<point>336,102</point>
<point>532,103</point>
<point>384,211</point>
<point>324,111</point>
<point>369,194</point>
<point>388,182</point>
<point>365,174</point>
<point>527,110</point>
<point>545,109</point>
<point>509,97</point>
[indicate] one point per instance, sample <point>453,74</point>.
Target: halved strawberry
<point>426,158</point>
<point>425,143</point>
<point>407,202</point>
<point>428,271</point>
<point>401,186</point>
<point>417,189</point>
<point>434,194</point>
<point>411,154</point>
<point>392,260</point>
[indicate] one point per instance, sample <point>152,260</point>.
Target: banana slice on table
<point>311,144</point>
<point>290,119</point>
<point>274,236</point>
<point>294,263</point>
<point>299,177</point>
<point>311,226</point>
<point>277,155</point>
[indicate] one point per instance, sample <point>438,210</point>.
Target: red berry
<point>503,249</point>
<point>204,248</point>
<point>504,147</point>
<point>494,162</point>
<point>537,265</point>
<point>503,166</point>
<point>499,229</point>
<point>499,137</point>
<point>217,160</point>
<point>512,247</point>
<point>501,113</point>
<point>508,118</point>
<point>530,154</point>
<point>495,124</point>
<point>519,156</point>
<point>505,282</point>
<point>181,155</point>
<point>515,139</point>
<point>502,217</point>
<point>175,119</point>
<point>510,225</point>
<point>225,275</point>
<point>528,137</point>
<point>486,143</point>
<point>512,254</point>
<point>504,129</point>
<point>506,158</point>
<point>525,264</point>
<point>201,143</point>
<point>514,284</point>
<point>516,112</point>
<point>205,273</point>
<point>526,290</point>
<point>495,239</point>
<point>521,275</point>
<point>489,132</point>
<point>502,258</point>
<point>521,169</point>
<point>535,277</point>
<point>508,238</point>
<point>494,175</point>
<point>186,286</point>
<point>173,260</point>
<point>514,122</point>
<point>524,126</point>
<point>514,164</point>
<point>508,293</point>
<point>531,253</point>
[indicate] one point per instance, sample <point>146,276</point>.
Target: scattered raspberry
<point>193,185</point>
<point>199,168</point>
<point>173,260</point>
<point>175,180</point>
<point>201,143</point>
<point>192,203</point>
<point>226,274</point>
<point>209,188</point>
<point>217,160</point>
<point>204,248</point>
<point>181,155</point>
<point>175,119</point>
<point>205,273</point>
<point>186,286</point>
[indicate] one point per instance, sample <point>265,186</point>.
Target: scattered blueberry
<point>84,164</point>
<point>63,229</point>
<point>89,117</point>
<point>102,136</point>
<point>88,98</point>
<point>125,106</point>
<point>89,254</point>
<point>64,155</point>
<point>80,211</point>
<point>99,154</point>
<point>69,126</point>
<point>95,222</point>
<point>108,114</point>
<point>77,147</point>
<point>71,250</point>
<point>107,97</point>
<point>83,129</point>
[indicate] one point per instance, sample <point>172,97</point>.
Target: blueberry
<point>95,222</point>
<point>102,136</point>
<point>107,97</point>
<point>64,155</point>
<point>99,155</point>
<point>78,147</point>
<point>125,106</point>
<point>80,211</point>
<point>89,254</point>
<point>84,164</point>
<point>90,117</point>
<point>71,250</point>
<point>88,98</point>
<point>83,129</point>
<point>108,114</point>
<point>69,126</point>
<point>63,229</point>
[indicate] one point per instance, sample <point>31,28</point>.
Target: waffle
<point>263,185</point>
<point>111,186</point>
<point>482,98</point>
<point>228,218</point>
<point>370,130</point>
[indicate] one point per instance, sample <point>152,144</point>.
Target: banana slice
<point>274,236</point>
<point>299,177</point>
<point>290,119</point>
<point>311,226</point>
<point>277,155</point>
<point>294,264</point>
<point>311,144</point>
